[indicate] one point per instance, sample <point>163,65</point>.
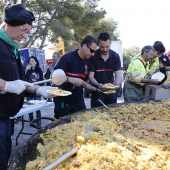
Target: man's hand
<point>103,88</point>
<point>17,86</point>
<point>155,81</point>
<point>77,82</point>
<point>161,65</point>
<point>42,91</point>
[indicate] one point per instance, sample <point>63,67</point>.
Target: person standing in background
<point>56,57</point>
<point>17,23</point>
<point>33,74</point>
<point>102,65</point>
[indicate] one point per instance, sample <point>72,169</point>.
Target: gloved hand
<point>16,86</point>
<point>42,91</point>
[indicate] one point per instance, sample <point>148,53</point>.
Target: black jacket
<point>10,69</point>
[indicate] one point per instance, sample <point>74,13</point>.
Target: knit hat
<point>16,15</point>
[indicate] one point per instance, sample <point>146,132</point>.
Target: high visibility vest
<point>137,70</point>
<point>153,64</point>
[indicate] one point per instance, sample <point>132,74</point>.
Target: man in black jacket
<point>16,26</point>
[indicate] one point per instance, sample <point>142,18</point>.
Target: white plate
<point>36,101</point>
<point>65,93</point>
<point>159,76</point>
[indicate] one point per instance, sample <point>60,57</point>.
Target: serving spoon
<point>58,78</point>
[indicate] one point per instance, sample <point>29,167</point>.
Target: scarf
<point>13,45</point>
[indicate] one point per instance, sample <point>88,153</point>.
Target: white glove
<point>42,91</point>
<point>17,86</point>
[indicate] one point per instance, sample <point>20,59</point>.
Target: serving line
<point>26,109</point>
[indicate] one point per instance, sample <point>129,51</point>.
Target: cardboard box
<point>156,92</point>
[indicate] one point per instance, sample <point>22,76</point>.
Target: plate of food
<point>36,101</point>
<point>59,92</point>
<point>109,86</point>
<point>109,92</point>
<point>159,76</point>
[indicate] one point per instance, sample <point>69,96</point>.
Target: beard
<point>104,52</point>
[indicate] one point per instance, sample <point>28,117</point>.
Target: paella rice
<point>130,137</point>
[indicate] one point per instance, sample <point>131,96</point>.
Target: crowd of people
<point>90,66</point>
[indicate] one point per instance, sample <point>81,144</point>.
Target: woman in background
<point>33,74</point>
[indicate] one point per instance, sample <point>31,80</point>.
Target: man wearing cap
<point>137,76</point>
<point>16,26</point>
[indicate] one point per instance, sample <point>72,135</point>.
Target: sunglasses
<point>91,50</point>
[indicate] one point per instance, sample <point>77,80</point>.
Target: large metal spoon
<point>58,78</point>
<point>102,103</point>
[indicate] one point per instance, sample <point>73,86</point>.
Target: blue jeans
<point>38,113</point>
<point>5,142</point>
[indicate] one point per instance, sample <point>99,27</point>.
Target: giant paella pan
<point>125,137</point>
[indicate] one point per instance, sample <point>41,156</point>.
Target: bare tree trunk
<point>42,43</point>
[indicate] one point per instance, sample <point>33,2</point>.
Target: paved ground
<point>46,112</point>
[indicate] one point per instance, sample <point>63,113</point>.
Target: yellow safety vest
<point>153,65</point>
<point>137,70</point>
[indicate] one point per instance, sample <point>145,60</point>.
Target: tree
<point>107,25</point>
<point>129,53</point>
<point>70,20</point>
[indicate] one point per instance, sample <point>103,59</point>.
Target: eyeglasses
<point>91,50</point>
<point>24,30</point>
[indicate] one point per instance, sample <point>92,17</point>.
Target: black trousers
<point>5,142</point>
<point>105,98</point>
<point>63,108</point>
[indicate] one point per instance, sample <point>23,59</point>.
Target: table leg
<point>21,131</point>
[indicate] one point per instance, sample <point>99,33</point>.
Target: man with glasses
<point>102,65</point>
<point>137,76</point>
<point>17,23</point>
<point>74,64</point>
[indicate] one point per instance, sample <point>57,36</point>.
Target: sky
<point>140,22</point>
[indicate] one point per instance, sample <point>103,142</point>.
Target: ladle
<point>102,103</point>
<point>58,78</point>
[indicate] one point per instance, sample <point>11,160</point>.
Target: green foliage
<point>129,53</point>
<point>71,20</point>
<point>107,25</point>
